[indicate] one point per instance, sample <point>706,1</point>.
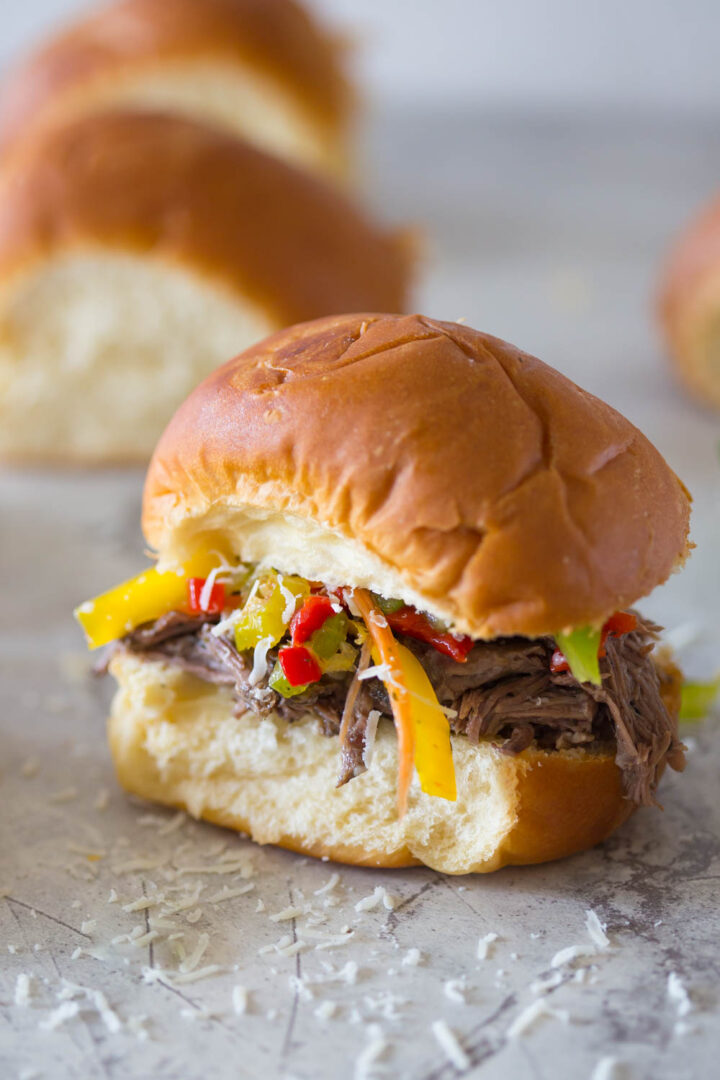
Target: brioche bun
<point>177,741</point>
<point>690,306</point>
<point>137,252</point>
<point>262,69</point>
<point>423,460</point>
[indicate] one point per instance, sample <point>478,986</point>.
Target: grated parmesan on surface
<point>329,885</point>
<point>367,1059</point>
<point>596,930</point>
<point>412,958</point>
<point>448,1041</point>
<point>483,946</point>
<point>537,1010</point>
<point>678,994</point>
<point>240,1000</point>
<point>24,989</point>
<point>572,952</point>
<point>607,1068</point>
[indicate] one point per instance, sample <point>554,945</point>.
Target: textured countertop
<point>547,232</point>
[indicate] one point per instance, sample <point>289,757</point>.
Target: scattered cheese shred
<point>240,1000</point>
<point>678,994</point>
<point>483,946</point>
<point>572,952</point>
<point>531,1014</point>
<point>24,989</point>
<point>596,930</point>
<point>448,1042</point>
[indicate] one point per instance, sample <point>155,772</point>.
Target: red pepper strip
<point>411,622</point>
<point>311,616</point>
<point>299,665</point>
<point>622,622</point>
<point>216,601</point>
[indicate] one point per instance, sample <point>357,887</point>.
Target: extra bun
<point>137,252</point>
<point>690,306</point>
<point>177,741</point>
<point>426,461</point>
<point>259,68</point>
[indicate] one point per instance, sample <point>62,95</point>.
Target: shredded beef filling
<point>505,690</point>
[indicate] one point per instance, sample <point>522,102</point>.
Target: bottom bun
<point>175,740</point>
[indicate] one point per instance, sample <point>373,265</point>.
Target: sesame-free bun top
<point>177,191</point>
<point>264,68</point>
<point>424,460</point>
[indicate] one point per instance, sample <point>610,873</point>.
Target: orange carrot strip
<point>384,641</point>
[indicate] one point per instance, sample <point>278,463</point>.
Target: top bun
<point>423,460</point>
<point>262,68</point>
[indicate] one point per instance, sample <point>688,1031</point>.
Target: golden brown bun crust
<point>488,480</point>
<point>175,189</point>
<point>689,305</point>
<point>275,36</point>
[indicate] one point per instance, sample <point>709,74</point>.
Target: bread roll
<point>138,251</point>
<point>262,69</point>
<point>690,306</point>
<point>426,461</point>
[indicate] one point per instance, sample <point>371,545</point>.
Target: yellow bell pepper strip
<point>580,648</point>
<point>386,650</point>
<point>433,752</point>
<point>423,729</point>
<point>269,609</point>
<point>148,596</point>
<point>697,699</point>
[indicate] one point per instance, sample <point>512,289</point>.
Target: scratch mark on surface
<point>45,915</point>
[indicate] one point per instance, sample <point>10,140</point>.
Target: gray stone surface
<point>547,232</point>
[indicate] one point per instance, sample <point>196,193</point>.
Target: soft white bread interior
<point>267,71</point>
<point>176,740</point>
<point>98,348</point>
<point>140,250</point>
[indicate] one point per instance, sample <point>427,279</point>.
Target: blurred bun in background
<point>690,306</point>
<point>137,252</point>
<point>262,69</point>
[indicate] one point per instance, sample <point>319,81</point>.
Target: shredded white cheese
<point>286,914</point>
<point>596,930</point>
<point>366,1060</point>
<point>259,668</point>
<point>196,955</point>
<point>289,598</point>
<point>61,1015</point>
<point>326,1010</point>
<point>572,952</point>
<point>24,989</point>
<point>483,946</point>
<point>240,1000</point>
<point>377,896</point>
<point>448,1042</point>
<point>229,894</point>
<point>454,990</point>
<point>678,994</point>
<point>606,1069</point>
<point>329,885</point>
<point>535,1011</point>
<point>412,958</point>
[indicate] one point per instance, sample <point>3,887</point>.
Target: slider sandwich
<point>392,616</point>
